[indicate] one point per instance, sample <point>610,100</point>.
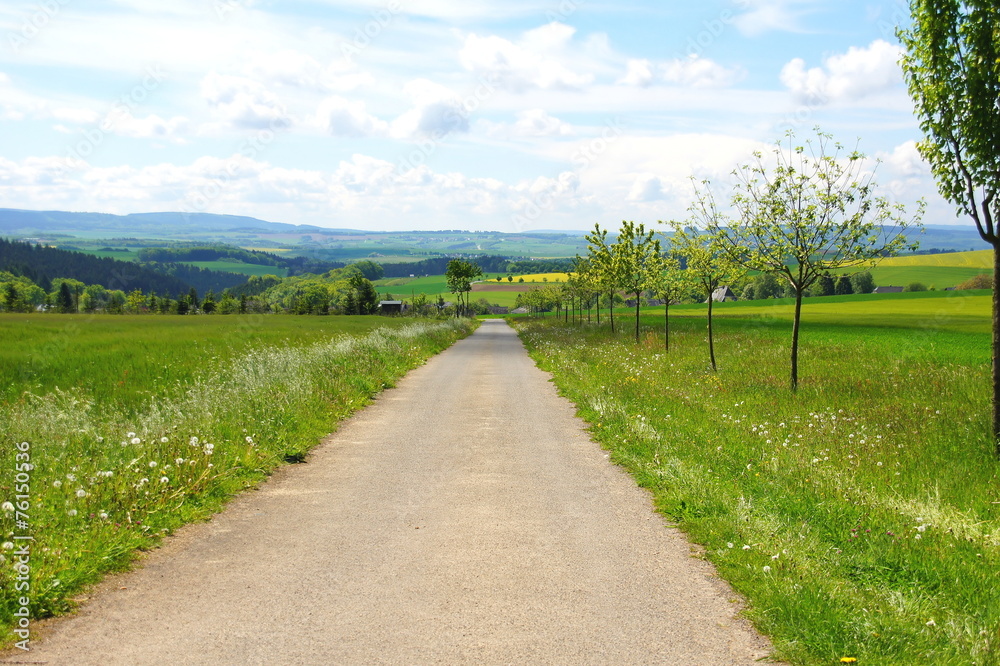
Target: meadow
<point>860,516</point>
<point>121,429</point>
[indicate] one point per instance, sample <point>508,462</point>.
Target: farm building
<point>499,310</point>
<point>390,307</point>
<point>888,290</point>
<point>723,295</point>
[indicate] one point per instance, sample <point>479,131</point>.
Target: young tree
<point>602,269</point>
<point>952,68</point>
<point>459,276</point>
<point>825,286</point>
<point>671,284</point>
<point>635,257</point>
<point>811,209</point>
<point>708,265</point>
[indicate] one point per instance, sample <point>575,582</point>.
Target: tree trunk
<point>637,317</point>
<point>666,325</point>
<point>611,309</point>
<point>795,339</point>
<point>996,345</point>
<point>711,340</point>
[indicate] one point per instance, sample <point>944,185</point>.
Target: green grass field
<point>981,259</point>
<point>121,429</point>
<point>860,517</point>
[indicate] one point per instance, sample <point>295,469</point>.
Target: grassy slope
<point>859,516</point>
<point>974,259</point>
<point>239,267</point>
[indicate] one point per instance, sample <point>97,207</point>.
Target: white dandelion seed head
<point>71,512</point>
<point>81,493</point>
<point>729,545</point>
<point>57,483</point>
<point>130,435</point>
<point>767,569</point>
<point>103,515</point>
<point>7,545</point>
<point>164,479</point>
<point>164,440</point>
<point>152,463</point>
<point>179,461</point>
<point>931,623</point>
<point>7,506</point>
<point>746,547</point>
<point>71,477</point>
<point>136,440</point>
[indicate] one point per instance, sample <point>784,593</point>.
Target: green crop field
<point>974,259</point>
<point>939,277</point>
<point>860,516</point>
<point>121,429</point>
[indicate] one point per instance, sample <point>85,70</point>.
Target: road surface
<point>465,517</point>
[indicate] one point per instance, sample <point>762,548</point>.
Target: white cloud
<point>438,111</point>
<point>243,103</point>
<point>345,118</point>
<point>152,126</point>
<point>847,76</point>
<point>538,123</point>
<point>639,73</point>
<point>540,60</point>
<point>647,187</point>
<point>772,15</point>
<point>697,72</point>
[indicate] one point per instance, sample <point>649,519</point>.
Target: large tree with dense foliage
<point>952,68</point>
<point>808,209</point>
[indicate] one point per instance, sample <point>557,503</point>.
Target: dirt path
<point>465,517</point>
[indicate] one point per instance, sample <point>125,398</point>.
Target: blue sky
<point>436,114</point>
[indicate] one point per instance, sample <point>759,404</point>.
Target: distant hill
<point>29,222</point>
<point>43,264</point>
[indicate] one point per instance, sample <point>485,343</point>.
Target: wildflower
<point>7,506</point>
<point>193,441</point>
<point>209,448</point>
<point>81,493</point>
<point>164,440</point>
<point>7,545</point>
<point>152,463</point>
<point>70,477</point>
<point>136,440</point>
<point>931,623</point>
<point>103,515</point>
<point>57,483</point>
<point>921,528</point>
<point>179,461</point>
<point>729,545</point>
<point>848,660</point>
<point>774,557</point>
<point>164,479</point>
<point>767,569</point>
<point>130,435</point>
<point>917,536</point>
<point>746,547</point>
<point>249,439</point>
<point>71,512</point>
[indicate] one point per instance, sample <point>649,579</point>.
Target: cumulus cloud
<point>540,60</point>
<point>847,76</point>
<point>691,72</point>
<point>639,73</point>
<point>437,112</point>
<point>243,103</point>
<point>345,118</point>
<point>697,72</point>
<point>647,187</point>
<point>538,123</point>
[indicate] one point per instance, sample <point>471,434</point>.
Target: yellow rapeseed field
<point>975,259</point>
<point>538,277</point>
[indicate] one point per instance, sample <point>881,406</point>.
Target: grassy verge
<point>102,478</point>
<point>859,517</point>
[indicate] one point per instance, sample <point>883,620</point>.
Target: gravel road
<point>465,517</point>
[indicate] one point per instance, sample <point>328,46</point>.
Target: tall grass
<point>860,517</point>
<point>110,477</point>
